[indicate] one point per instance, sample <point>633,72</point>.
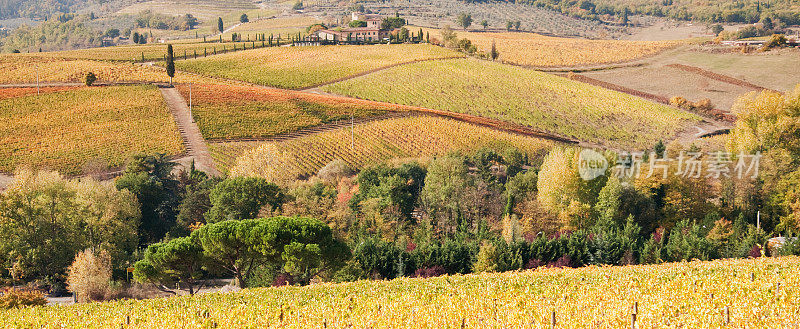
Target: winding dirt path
<point>196,147</point>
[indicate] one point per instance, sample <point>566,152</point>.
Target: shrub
<point>12,298</point>
<point>89,276</point>
<point>334,171</point>
<point>90,79</point>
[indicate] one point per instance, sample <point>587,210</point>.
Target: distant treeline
<point>64,31</point>
<point>725,11</point>
<point>37,8</point>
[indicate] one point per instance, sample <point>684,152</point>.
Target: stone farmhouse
<point>371,32</point>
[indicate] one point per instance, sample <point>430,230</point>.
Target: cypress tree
<point>170,63</point>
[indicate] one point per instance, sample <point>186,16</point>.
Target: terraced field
<point>108,123</point>
<point>537,50</point>
<point>414,136</point>
<point>225,112</point>
<point>747,293</point>
<point>542,101</point>
<point>301,67</point>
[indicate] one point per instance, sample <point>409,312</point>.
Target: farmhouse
<point>371,32</point>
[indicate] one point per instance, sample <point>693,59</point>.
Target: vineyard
<point>299,67</point>
<point>224,112</point>
<point>542,101</point>
<point>749,293</point>
<point>6,93</point>
<point>30,69</point>
<point>531,49</point>
<point>408,137</point>
<point>147,52</point>
<point>108,123</point>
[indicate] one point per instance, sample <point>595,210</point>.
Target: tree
<point>89,275</point>
<point>170,63</point>
<point>493,53</point>
<point>135,37</point>
<point>509,25</point>
<point>357,23</point>
<point>46,220</point>
<point>717,29</point>
<point>464,20</point>
<point>485,24</point>
<point>89,79</point>
<point>298,6</point>
<point>243,19</point>
<point>176,261</point>
<point>149,178</point>
<point>242,198</point>
<point>517,24</point>
<point>220,26</point>
<point>302,247</point>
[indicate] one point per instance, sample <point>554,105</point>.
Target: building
<point>373,20</point>
<point>372,32</point>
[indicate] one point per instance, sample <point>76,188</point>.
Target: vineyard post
<point>727,315</point>
<point>634,313</point>
<point>190,102</point>
<point>553,320</point>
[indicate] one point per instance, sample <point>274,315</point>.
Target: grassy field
<point>111,123</point>
<point>299,67</point>
<point>408,137</point>
<point>278,25</point>
<point>677,295</point>
<point>523,96</point>
<point>239,111</point>
<point>30,69</point>
<point>532,49</point>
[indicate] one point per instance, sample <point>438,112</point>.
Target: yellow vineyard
<point>758,293</point>
<point>416,136</point>
<point>543,51</point>
<point>102,124</point>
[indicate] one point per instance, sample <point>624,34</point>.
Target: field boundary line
<point>714,113</point>
<point>719,77</point>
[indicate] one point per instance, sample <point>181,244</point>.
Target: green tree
<point>464,20</point>
<point>89,79</point>
<point>302,247</point>
<point>220,26</point>
<point>717,29</point>
<point>485,24</point>
<point>242,198</point>
<point>178,261</point>
<point>243,19</point>
<point>170,63</point>
<point>493,53</point>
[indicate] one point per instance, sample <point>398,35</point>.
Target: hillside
<point>584,297</point>
<point>543,101</point>
<point>531,49</point>
<point>226,112</point>
<point>409,137</point>
<point>301,67</point>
